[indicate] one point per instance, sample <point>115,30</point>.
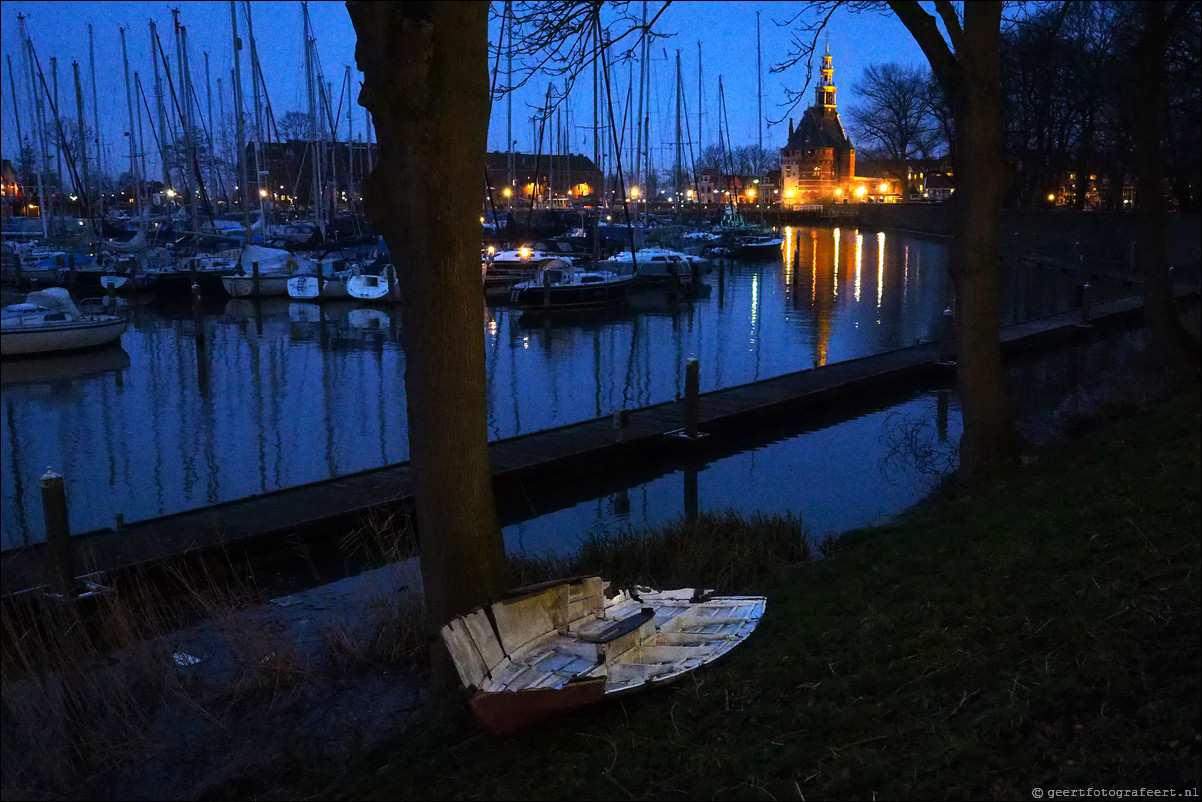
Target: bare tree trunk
<point>1172,339</point>
<point>982,179</point>
<point>425,68</point>
<point>968,73</point>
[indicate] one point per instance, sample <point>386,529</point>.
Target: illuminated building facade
<point>818,161</point>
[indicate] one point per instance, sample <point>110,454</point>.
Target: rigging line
<point>634,260</point>
<point>204,196</point>
<point>492,91</point>
<point>62,137</point>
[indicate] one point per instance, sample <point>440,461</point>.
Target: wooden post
<point>945,339</point>
<point>692,382</point>
<point>58,533</point>
<point>546,291</point>
<point>254,271</point>
<point>621,419</point>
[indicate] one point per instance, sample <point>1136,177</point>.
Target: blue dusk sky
<point>726,30</point>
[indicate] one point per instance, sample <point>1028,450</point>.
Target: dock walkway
<point>335,506</point>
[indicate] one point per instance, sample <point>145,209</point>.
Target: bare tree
<point>1159,24</point>
<point>893,117</point>
<point>294,125</point>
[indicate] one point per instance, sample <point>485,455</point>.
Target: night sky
<point>727,31</point>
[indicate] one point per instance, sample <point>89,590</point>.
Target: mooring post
<point>546,291</point>
<point>195,296</point>
<point>192,271</point>
<point>58,533</point>
<point>112,294</point>
<point>692,386</point>
<point>621,420</point>
<point>1085,300</point>
<point>945,338</point>
<point>254,272</point>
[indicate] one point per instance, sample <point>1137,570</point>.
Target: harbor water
<point>278,393</point>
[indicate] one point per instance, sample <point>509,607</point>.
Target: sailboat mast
<point>509,159</point>
<point>240,135</point>
<point>759,83</point>
<point>12,85</point>
<point>140,154</point>
<point>185,79</point>
<point>256,75</point>
<point>639,179</point>
<point>39,128</point>
<point>83,145</point>
<point>96,123</point>
<point>676,182</point>
<point>58,125</point>
<point>158,100</point>
<point>129,104</point>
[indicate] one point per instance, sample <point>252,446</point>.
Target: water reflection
<point>238,397</point>
<point>831,477</point>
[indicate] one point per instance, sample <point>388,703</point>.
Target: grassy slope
<point>1042,630</point>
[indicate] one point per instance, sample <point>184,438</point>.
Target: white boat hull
<point>304,288</point>
<point>270,286</point>
<point>370,288</point>
<point>59,337</point>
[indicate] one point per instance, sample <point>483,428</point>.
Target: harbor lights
<point>884,187</point>
<point>524,252</point>
<point>861,191</point>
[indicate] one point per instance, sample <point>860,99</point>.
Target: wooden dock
<point>522,467</point>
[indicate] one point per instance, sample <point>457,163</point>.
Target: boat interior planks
<point>564,645</point>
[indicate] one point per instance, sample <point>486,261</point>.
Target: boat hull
<point>305,288</point>
<point>61,337</point>
<point>578,296</point>
<point>244,286</point>
<point>562,646</point>
<point>371,288</point>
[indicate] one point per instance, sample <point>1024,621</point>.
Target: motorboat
<point>560,285</point>
<point>759,246</point>
<point>661,267</point>
<point>553,648</point>
<point>502,269</point>
<point>49,322</point>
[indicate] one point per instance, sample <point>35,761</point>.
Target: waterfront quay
<point>313,518</point>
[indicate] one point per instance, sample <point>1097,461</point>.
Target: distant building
<point>818,161</point>
<point>551,180</point>
<point>10,188</point>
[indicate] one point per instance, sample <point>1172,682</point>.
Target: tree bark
<point>968,73</point>
<point>425,67</point>
<point>1170,336</point>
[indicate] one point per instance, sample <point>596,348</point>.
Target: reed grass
<point>722,550</point>
<point>98,703</point>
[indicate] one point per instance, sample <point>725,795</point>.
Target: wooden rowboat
<point>564,645</point>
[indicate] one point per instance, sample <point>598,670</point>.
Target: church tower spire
<point>824,93</point>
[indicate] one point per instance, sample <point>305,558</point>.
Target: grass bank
<point>1041,630</point>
